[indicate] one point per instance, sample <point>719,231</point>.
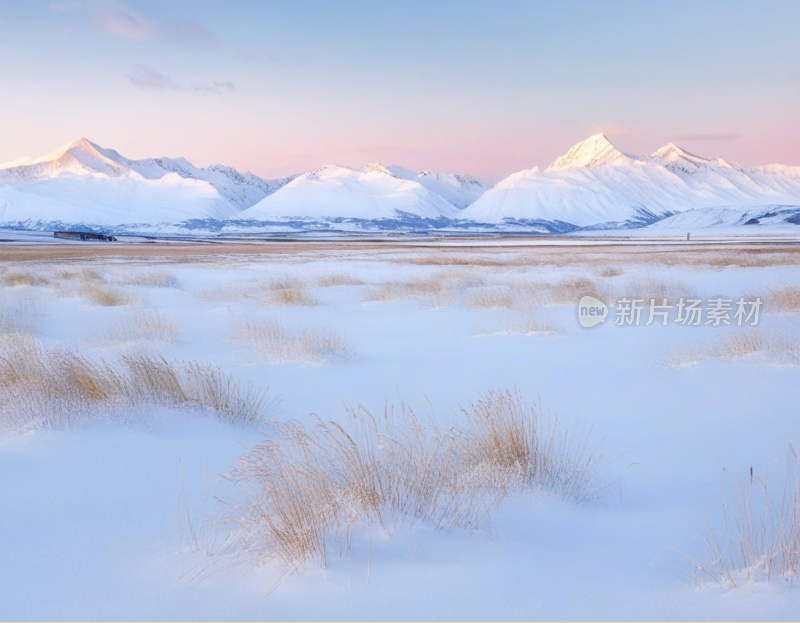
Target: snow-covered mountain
<point>460,190</point>
<point>369,192</point>
<point>83,183</point>
<point>595,184</point>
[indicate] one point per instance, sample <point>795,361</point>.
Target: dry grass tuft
<point>280,344</point>
<point>648,288</point>
<point>155,279</point>
<point>289,291</point>
<point>46,388</point>
<point>17,317</point>
<point>226,293</point>
<point>775,346</point>
<point>24,279</point>
<point>309,486</point>
<point>149,324</point>
<point>90,275</point>
<point>492,298</point>
<point>337,279</point>
<point>533,324</point>
<point>784,299</point>
<point>761,540</point>
<point>611,271</point>
<point>570,291</point>
<point>438,290</point>
<point>98,294</point>
<point>432,287</point>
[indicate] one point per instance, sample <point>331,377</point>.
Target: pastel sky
<point>487,88</point>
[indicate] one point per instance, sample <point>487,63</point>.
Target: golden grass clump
<point>42,388</point>
<point>611,271</point>
<point>153,278</point>
<point>280,344</point>
<point>648,288</point>
<point>98,294</point>
<point>13,279</point>
<point>434,287</point>
<point>143,323</point>
<point>570,291</point>
<point>492,298</point>
<point>761,540</point>
<point>784,299</point>
<point>90,275</point>
<point>337,279</point>
<point>774,346</point>
<point>289,291</point>
<point>438,289</point>
<point>443,259</point>
<point>308,486</point>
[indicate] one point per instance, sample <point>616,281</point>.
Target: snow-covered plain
<point>94,517</point>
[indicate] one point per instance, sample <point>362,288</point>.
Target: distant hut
<point>83,235</point>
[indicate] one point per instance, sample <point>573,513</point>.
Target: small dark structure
<point>83,235</point>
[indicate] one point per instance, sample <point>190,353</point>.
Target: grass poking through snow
<point>761,539</point>
<point>772,346</point>
<point>310,485</point>
<point>280,344</point>
<point>41,388</point>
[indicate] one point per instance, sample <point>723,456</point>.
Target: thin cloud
<point>125,23</point>
<point>149,79</point>
<point>215,86</point>
<point>706,136</point>
<point>116,18</point>
<point>188,31</point>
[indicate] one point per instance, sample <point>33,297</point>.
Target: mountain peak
<point>672,151</point>
<point>594,151</point>
<point>678,160</point>
<point>377,167</point>
<point>80,157</point>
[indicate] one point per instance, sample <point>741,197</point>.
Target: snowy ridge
<point>593,186</point>
<point>460,190</point>
<point>333,191</point>
<point>84,184</point>
<point>596,185</point>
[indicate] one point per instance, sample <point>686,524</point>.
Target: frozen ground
<point>112,521</point>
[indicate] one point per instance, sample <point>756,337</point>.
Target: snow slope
<point>460,190</point>
<point>369,192</point>
<point>596,184</point>
<point>83,183</point>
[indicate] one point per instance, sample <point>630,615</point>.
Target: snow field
<point>122,515</point>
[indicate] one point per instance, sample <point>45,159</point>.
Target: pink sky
<point>285,89</point>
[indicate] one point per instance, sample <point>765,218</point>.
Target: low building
<point>83,235</point>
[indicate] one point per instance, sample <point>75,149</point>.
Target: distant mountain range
<point>594,186</point>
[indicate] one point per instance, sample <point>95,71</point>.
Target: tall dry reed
<point>310,485</point>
